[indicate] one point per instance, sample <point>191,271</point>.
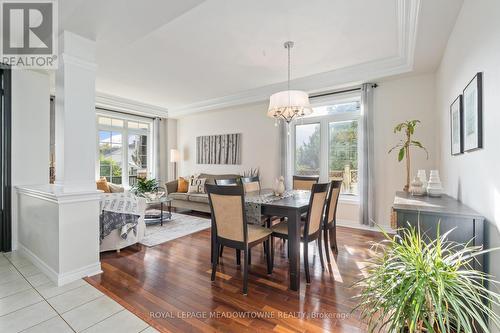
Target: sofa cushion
<point>113,188</point>
<point>178,196</point>
<point>182,185</point>
<point>199,197</point>
<point>196,185</point>
<point>102,184</point>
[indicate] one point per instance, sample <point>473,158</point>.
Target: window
<point>343,154</point>
<point>326,144</point>
<point>124,149</point>
<point>110,156</point>
<point>307,149</point>
<point>137,157</point>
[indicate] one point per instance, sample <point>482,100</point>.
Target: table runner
<point>253,204</point>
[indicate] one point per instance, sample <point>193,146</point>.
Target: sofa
<point>194,201</point>
<point>113,241</point>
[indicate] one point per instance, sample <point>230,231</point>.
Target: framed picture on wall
<point>456,120</point>
<point>473,114</point>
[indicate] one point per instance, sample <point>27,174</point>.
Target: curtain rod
<point>126,113</point>
<point>337,92</point>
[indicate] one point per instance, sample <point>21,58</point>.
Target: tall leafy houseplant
<point>426,286</point>
<point>405,145</point>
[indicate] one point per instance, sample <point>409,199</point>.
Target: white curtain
<point>366,166</point>
<point>156,142</point>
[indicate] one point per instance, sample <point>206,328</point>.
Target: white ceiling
<point>194,55</point>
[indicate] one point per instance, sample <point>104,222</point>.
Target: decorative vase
<point>423,178</point>
<point>280,186</point>
<point>417,187</point>
<point>434,186</point>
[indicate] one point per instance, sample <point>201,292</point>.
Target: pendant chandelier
<point>289,104</point>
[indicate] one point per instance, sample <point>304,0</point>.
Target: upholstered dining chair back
<point>319,193</point>
<point>332,200</point>
<point>251,184</point>
<point>227,206</point>
<point>226,182</point>
<point>304,182</point>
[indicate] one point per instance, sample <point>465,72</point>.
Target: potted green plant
<point>147,187</point>
<point>405,144</point>
<point>417,285</point>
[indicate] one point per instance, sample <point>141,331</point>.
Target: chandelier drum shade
<point>289,104</point>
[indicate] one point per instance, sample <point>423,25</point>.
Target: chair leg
<point>220,251</point>
<point>272,252</point>
<point>215,255</point>
<point>333,239</point>
<point>306,261</point>
<point>238,257</point>
<point>245,271</point>
<point>287,248</point>
<point>327,250</point>
<point>249,256</point>
<point>269,256</point>
<point>320,249</point>
<point>211,251</point>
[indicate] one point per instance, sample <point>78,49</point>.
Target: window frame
<point>125,132</point>
<point>324,121</point>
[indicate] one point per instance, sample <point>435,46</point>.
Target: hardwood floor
<point>169,287</point>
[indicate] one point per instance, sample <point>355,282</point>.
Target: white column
<point>75,114</point>
<point>59,224</point>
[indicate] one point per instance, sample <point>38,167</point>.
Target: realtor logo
<point>29,32</point>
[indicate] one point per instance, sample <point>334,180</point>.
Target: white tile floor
<point>29,302</point>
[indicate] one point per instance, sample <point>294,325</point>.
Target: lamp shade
<point>174,155</point>
<point>289,104</point>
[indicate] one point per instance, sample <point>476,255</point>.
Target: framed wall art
<point>456,121</point>
<point>218,149</point>
<point>473,114</point>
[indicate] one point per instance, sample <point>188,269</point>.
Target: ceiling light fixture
<point>289,104</point>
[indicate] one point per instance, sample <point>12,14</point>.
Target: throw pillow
<point>102,184</point>
<point>197,185</point>
<point>113,188</point>
<point>182,185</point>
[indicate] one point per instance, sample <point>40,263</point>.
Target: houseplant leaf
<point>401,154</point>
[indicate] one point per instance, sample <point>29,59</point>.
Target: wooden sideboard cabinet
<point>447,211</point>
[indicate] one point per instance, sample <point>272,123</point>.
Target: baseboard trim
<point>357,225</point>
<point>60,278</point>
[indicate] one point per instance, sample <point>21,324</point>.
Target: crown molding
<point>116,103</point>
<point>407,24</point>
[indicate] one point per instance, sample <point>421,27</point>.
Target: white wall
<point>259,137</point>
<point>395,101</point>
<point>474,46</point>
<point>30,134</point>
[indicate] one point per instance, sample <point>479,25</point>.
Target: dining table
<point>292,205</point>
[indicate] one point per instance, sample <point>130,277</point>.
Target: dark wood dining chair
<point>251,184</point>
<point>311,229</point>
<point>230,227</point>
<point>226,182</point>
<point>330,218</point>
<point>304,182</point>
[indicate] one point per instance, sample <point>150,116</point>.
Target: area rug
<point>180,225</point>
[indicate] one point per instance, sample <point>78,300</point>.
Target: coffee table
<point>161,216</point>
